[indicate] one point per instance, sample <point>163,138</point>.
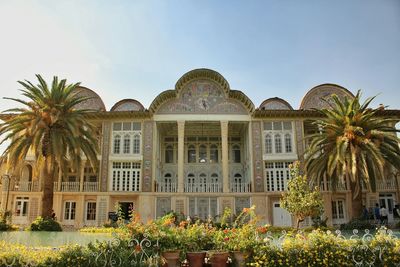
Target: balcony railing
<point>166,187</point>
<point>203,188</point>
<point>90,186</point>
<point>27,186</point>
<point>70,186</point>
<point>240,187</point>
<point>387,184</point>
<point>76,186</point>
<point>328,186</point>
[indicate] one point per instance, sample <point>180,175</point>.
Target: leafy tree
<point>51,127</point>
<point>300,199</point>
<point>352,143</point>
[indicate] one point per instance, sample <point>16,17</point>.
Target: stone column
<point>181,155</point>
<point>225,165</point>
<point>81,175</point>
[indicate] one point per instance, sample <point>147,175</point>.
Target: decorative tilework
<point>313,99</point>
<point>300,139</point>
<point>202,96</point>
<point>147,156</point>
<point>104,155</point>
<point>257,157</point>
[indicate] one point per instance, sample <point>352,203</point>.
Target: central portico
<point>202,129</point>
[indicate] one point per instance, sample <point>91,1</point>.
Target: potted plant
<point>169,239</point>
<point>243,236</point>
<point>196,239</point>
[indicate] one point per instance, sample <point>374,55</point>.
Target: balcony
<point>90,186</point>
<point>387,184</point>
<point>27,186</point>
<point>33,186</point>
<point>341,186</point>
<point>240,187</point>
<point>76,186</point>
<point>164,187</point>
<point>203,188</point>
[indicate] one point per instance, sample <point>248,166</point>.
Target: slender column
<point>181,155</point>
<point>81,175</point>
<point>225,165</point>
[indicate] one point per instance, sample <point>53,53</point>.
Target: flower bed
<point>141,244</point>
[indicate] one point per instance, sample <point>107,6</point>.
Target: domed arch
<point>313,98</point>
<point>201,74</point>
<point>94,102</point>
<point>275,103</point>
<point>128,105</point>
<point>202,91</point>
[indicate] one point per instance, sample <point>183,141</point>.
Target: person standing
<point>377,213</point>
<point>384,215</point>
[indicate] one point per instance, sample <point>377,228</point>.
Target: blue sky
<point>137,49</point>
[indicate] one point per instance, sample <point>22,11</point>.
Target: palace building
<point>197,149</point>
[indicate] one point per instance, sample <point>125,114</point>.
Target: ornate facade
<point>197,149</point>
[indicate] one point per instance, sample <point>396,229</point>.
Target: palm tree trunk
<point>357,206</point>
<point>48,187</point>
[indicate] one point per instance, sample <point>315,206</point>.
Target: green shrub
<point>41,224</point>
<point>4,226</point>
<point>357,224</point>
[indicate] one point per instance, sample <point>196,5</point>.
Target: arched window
<point>203,182</point>
<point>169,154</point>
<point>214,178</point>
<point>288,143</point>
<point>268,144</point>
<point>136,144</point>
<point>167,178</point>
<point>190,185</point>
<point>278,143</point>
<point>236,154</point>
<point>203,154</point>
<point>117,144</point>
<point>213,153</point>
<point>190,178</point>
<point>191,154</point>
<point>238,178</point>
<point>127,144</point>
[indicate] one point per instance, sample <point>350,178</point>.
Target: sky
<point>265,48</point>
<point>137,49</point>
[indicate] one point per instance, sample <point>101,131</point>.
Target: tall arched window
<point>203,154</point>
<point>288,143</point>
<point>169,154</point>
<point>213,153</point>
<point>191,154</point>
<point>117,144</point>
<point>203,182</point>
<point>278,143</point>
<point>167,178</point>
<point>136,144</point>
<point>190,185</point>
<point>168,183</point>
<point>127,144</point>
<point>236,154</point>
<point>214,178</point>
<point>238,178</point>
<point>268,144</point>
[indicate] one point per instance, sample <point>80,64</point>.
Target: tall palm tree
<point>49,125</point>
<point>352,143</point>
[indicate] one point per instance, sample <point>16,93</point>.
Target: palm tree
<point>49,125</point>
<point>352,143</point>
